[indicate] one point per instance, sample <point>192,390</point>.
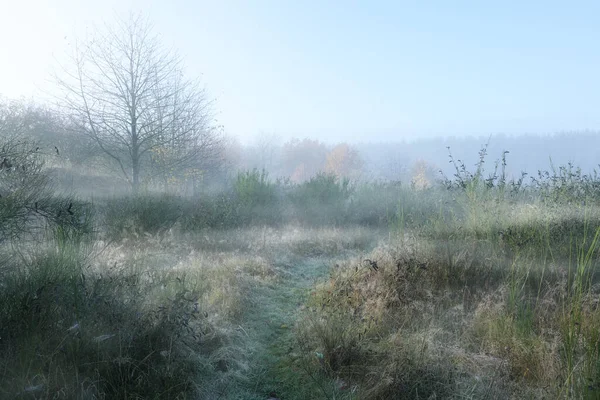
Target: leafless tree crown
<point>129,94</point>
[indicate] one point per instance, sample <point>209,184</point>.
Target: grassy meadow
<point>473,287</point>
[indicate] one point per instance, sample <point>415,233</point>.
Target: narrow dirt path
<point>268,327</point>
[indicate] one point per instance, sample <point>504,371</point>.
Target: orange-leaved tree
<point>344,161</point>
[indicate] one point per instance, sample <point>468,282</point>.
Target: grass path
<point>269,332</point>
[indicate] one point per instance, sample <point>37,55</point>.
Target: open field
<point>293,201</point>
<point>321,290</point>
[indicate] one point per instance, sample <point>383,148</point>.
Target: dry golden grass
<point>464,316</point>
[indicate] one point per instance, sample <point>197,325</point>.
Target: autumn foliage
<point>304,159</point>
<point>343,161</point>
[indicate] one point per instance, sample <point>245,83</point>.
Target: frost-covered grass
<point>498,301</point>
<point>476,289</point>
<point>163,316</point>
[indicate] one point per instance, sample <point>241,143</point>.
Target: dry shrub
<point>371,322</point>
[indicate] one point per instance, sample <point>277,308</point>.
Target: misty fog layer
<point>150,249</point>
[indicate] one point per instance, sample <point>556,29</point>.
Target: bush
<point>374,204</point>
<point>322,200</point>
<point>141,214</point>
<point>567,184</point>
<point>256,198</point>
<point>215,211</point>
<point>26,201</point>
<point>113,335</point>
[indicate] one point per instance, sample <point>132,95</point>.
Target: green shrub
<point>567,184</point>
<point>321,200</point>
<point>256,198</point>
<point>119,335</point>
<point>75,224</point>
<point>213,211</point>
<point>141,214</point>
<point>27,202</point>
<point>374,203</point>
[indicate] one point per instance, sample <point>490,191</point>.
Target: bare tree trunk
<point>135,170</point>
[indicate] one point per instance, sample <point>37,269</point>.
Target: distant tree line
<point>125,107</point>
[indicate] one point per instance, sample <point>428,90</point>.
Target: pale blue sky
<point>355,71</point>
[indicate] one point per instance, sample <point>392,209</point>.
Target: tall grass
<point>492,266</point>
<point>486,287</point>
<point>111,331</point>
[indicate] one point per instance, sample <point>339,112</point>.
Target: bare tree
<point>267,146</point>
<point>187,143</point>
<point>129,94</point>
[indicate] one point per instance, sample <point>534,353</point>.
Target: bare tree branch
<point>128,93</point>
